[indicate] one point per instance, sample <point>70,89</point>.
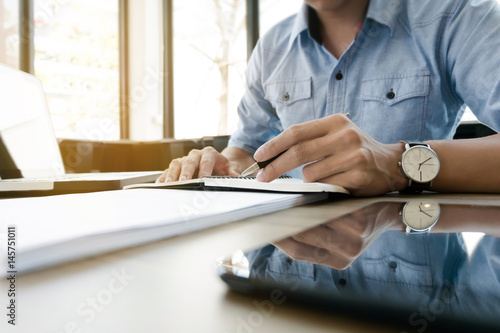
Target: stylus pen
<point>259,165</point>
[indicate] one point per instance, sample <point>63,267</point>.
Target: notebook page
<point>281,184</point>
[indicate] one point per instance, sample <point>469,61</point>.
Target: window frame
<point>27,47</point>
<point>26,36</point>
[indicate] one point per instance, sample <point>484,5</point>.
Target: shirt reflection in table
<point>430,273</point>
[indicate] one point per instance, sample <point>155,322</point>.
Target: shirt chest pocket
<point>292,100</point>
<point>280,266</point>
<point>394,271</point>
<point>397,103</point>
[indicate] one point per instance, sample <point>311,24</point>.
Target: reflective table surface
<point>372,263</point>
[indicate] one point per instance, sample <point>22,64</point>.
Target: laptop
<point>30,159</point>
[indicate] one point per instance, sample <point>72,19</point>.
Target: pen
<point>259,165</point>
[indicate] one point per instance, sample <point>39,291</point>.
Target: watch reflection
<point>434,260</point>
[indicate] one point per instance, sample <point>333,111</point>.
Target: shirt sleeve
<point>471,52</point>
<point>258,121</point>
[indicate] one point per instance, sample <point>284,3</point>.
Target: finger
<point>357,224</point>
<point>304,252</point>
<point>344,152</point>
<point>299,133</point>
<point>233,172</point>
<point>190,165</point>
<point>162,177</point>
<point>207,162</point>
<point>341,244</point>
<point>173,171</point>
<point>361,223</point>
<point>223,167</point>
<point>320,236</point>
<point>294,157</point>
<point>329,166</point>
<point>331,135</point>
<point>325,237</point>
<point>309,151</point>
<point>339,239</point>
<point>295,249</point>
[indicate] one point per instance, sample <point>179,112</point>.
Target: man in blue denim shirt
<point>343,81</point>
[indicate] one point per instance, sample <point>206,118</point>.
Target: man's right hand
<point>205,162</point>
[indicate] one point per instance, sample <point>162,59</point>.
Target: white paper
<point>55,229</point>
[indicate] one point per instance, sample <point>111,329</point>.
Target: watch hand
<point>426,214</point>
<point>420,164</point>
<point>421,211</point>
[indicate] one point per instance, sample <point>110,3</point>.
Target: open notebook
<point>281,184</point>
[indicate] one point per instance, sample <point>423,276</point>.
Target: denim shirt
<point>420,271</point>
<point>408,75</point>
<point>418,268</point>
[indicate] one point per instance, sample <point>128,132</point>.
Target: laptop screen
<point>28,146</point>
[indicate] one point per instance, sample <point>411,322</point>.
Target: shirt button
<point>339,76</point>
<point>391,95</point>
<point>342,282</point>
<point>286,97</point>
<point>393,265</point>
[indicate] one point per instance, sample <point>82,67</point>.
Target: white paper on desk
<point>56,229</point>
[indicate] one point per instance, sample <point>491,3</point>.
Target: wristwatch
<point>420,164</point>
<point>419,216</point>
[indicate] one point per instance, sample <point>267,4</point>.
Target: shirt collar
<point>385,12</point>
<point>381,11</point>
<point>300,24</point>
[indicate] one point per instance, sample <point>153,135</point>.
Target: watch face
<point>420,215</point>
<point>420,164</point>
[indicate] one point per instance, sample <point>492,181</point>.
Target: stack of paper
<point>57,229</point>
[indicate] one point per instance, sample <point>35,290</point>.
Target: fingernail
<point>168,179</point>
<point>182,178</point>
<point>261,176</point>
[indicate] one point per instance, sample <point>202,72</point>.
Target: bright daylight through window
<point>76,58</point>
<point>9,33</point>
<point>210,61</point>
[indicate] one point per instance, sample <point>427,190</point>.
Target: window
<point>209,65</point>
<point>76,58</point>
<point>9,33</point>
<point>210,61</point>
<point>273,11</point>
<point>145,69</point>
